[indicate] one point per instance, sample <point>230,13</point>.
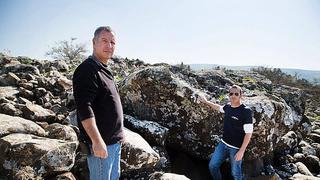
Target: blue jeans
<point>221,153</point>
<point>105,169</point>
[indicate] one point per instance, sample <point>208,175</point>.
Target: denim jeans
<point>108,168</point>
<point>221,153</point>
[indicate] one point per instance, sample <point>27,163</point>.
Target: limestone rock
<point>137,155</point>
<point>10,124</point>
<point>44,155</point>
<point>37,113</point>
<point>149,130</point>
<point>63,132</point>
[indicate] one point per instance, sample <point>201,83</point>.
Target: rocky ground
<point>169,134</point>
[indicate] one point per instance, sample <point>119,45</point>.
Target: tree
<point>67,50</point>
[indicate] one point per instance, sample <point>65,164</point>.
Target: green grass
<point>249,79</point>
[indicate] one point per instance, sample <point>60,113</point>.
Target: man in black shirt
<point>237,131</point>
<point>99,109</point>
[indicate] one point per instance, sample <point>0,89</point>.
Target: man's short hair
<point>100,29</point>
<point>236,87</point>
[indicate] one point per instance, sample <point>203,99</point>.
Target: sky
<point>271,33</point>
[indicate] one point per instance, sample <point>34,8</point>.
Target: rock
<point>12,79</point>
<point>306,149</point>
<point>288,142</point>
<point>37,113</point>
<point>164,163</point>
<point>64,84</point>
<point>290,168</point>
<point>63,132</point>
<point>136,154</point>
<point>194,128</point>
<point>7,91</point>
<point>315,137</point>
<point>39,92</point>
<point>66,176</point>
<point>10,124</point>
<point>18,68</point>
<point>167,176</point>
<point>45,156</point>
<point>10,109</point>
<point>316,146</point>
<point>27,85</point>
<point>26,93</point>
<point>150,131</point>
<point>313,163</point>
<point>294,97</point>
<point>283,174</point>
<point>299,176</point>
<point>303,169</point>
<point>299,157</point>
<point>61,65</point>
<point>25,172</point>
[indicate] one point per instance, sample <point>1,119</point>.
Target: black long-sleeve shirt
<point>96,95</point>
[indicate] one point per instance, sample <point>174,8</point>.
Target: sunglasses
<point>231,94</point>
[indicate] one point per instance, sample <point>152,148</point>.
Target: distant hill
<point>302,74</point>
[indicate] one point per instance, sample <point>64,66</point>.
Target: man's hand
<point>239,155</point>
<point>100,149</point>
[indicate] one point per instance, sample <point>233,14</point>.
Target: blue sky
<point>273,33</point>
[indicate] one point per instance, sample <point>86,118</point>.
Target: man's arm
<point>214,106</point>
<point>98,145</point>
<point>243,147</point>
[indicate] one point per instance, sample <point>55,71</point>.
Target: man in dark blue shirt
<point>237,131</point>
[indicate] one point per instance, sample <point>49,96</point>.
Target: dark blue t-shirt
<point>234,119</point>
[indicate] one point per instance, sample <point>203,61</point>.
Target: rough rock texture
<point>137,155</point>
<point>63,132</point>
<point>38,113</point>
<point>193,127</point>
<point>151,131</point>
<point>167,176</point>
<point>10,124</point>
<point>45,156</point>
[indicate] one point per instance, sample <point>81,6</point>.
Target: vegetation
<point>67,50</point>
<point>279,77</point>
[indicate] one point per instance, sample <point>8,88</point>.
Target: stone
<point>150,131</point>
<point>10,109</point>
<point>45,156</point>
<point>37,113</point>
<point>136,154</point>
<point>167,176</point>
<point>6,91</point>
<point>18,68</point>
<point>66,176</point>
<point>194,127</point>
<point>313,163</point>
<point>63,132</point>
<point>303,169</point>
<point>299,176</point>
<point>11,124</point>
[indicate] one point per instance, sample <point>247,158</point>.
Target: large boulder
<point>137,156</point>
<point>45,156</point>
<point>10,124</point>
<point>149,130</point>
<point>159,95</point>
<point>18,68</point>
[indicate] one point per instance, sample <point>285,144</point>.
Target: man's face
<point>104,45</point>
<point>234,95</point>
